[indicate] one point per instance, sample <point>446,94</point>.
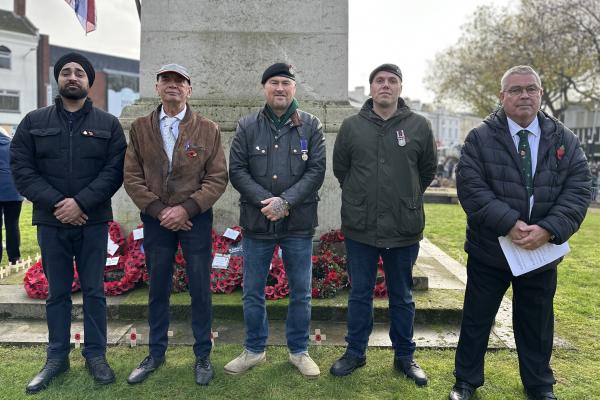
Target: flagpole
<point>138,5</point>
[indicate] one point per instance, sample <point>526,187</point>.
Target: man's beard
<point>72,92</point>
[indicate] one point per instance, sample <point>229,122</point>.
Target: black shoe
<point>461,391</point>
<point>100,370</point>
<point>204,371</point>
<point>146,367</point>
<point>412,370</point>
<point>532,395</point>
<point>53,368</point>
<point>347,364</point>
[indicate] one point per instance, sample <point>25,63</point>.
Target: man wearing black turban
<point>67,159</point>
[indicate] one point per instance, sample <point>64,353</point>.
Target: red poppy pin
<point>189,151</point>
<point>560,152</point>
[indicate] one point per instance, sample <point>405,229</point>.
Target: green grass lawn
<point>577,320</point>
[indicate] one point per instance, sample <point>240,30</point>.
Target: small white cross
<point>78,337</point>
<point>318,337</point>
<point>133,337</point>
<point>213,336</point>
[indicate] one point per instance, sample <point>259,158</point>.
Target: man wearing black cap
<point>384,159</point>
<point>175,171</point>
<point>68,160</point>
<point>277,163</point>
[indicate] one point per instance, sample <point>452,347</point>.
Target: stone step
<point>34,332</point>
<point>433,306</point>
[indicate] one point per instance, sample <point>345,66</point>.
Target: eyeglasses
<point>517,90</point>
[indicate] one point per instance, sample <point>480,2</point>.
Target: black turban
<point>79,59</point>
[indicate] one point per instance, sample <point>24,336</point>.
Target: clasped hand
<point>275,208</point>
<point>529,237</point>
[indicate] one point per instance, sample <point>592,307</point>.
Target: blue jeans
<point>160,245</point>
<point>88,245</point>
<point>297,253</point>
<point>362,269</point>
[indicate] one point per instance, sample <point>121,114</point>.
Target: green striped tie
<point>525,154</point>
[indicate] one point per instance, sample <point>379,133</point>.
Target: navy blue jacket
<point>492,191</point>
<point>8,191</point>
<point>50,162</point>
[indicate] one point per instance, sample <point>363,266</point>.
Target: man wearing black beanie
<point>277,163</point>
<point>384,158</point>
<point>67,159</point>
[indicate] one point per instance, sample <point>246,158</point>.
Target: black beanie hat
<point>278,69</point>
<point>79,59</point>
<point>393,68</point>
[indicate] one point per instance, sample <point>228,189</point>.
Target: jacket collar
<point>367,112</point>
<point>87,106</point>
<point>551,133</point>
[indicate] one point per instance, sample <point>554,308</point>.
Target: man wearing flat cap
<point>384,158</point>
<point>277,163</point>
<point>67,159</point>
<point>175,171</point>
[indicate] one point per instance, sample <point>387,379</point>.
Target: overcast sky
<point>407,33</point>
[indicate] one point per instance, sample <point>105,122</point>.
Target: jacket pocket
<point>410,218</point>
<point>297,164</point>
<point>94,144</point>
<point>303,217</point>
<point>258,161</point>
<point>47,142</point>
<point>252,219</point>
<point>354,210</point>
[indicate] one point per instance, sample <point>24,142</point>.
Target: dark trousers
<point>9,213</point>
<point>533,323</point>
<point>160,246</point>
<point>87,245</point>
<point>362,268</point>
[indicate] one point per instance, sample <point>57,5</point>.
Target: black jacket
<point>266,162</point>
<point>49,162</point>
<point>383,167</point>
<point>492,192</point>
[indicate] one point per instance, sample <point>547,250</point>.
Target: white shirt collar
<point>179,116</point>
<point>514,128</point>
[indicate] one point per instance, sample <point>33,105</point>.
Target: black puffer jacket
<point>492,192</point>
<point>266,162</point>
<point>49,162</point>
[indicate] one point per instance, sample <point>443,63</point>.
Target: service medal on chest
<point>401,138</point>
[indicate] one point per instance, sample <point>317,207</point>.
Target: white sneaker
<point>305,365</point>
<point>244,362</point>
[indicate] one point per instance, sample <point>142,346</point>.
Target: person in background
<point>10,203</point>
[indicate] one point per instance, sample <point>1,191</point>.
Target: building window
<point>9,101</point>
<point>4,57</point>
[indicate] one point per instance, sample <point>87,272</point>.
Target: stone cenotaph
<point>226,45</point>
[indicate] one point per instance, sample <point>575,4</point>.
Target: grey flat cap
<point>178,69</point>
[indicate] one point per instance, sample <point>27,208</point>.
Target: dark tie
<point>525,154</point>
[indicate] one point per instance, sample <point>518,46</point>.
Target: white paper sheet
<point>138,233</point>
<point>522,261</point>
<point>231,234</point>
<point>221,261</point>
<point>112,260</point>
<point>111,247</point>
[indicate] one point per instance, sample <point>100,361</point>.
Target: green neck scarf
<point>280,122</point>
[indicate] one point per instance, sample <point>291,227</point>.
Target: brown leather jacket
<point>199,172</point>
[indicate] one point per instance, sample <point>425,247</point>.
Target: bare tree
<point>560,48</point>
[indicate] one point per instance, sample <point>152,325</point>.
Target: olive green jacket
<point>383,167</point>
